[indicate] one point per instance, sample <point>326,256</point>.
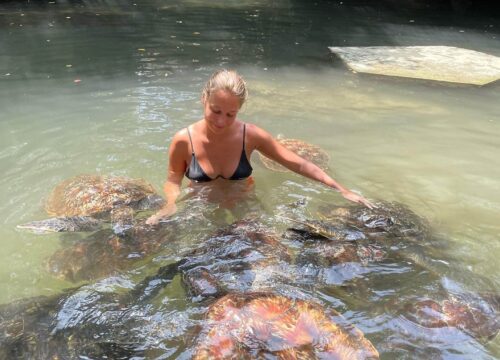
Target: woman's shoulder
<point>183,134</point>
<point>255,131</point>
<point>181,138</point>
<point>256,136</point>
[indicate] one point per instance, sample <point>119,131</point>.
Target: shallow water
<point>102,88</point>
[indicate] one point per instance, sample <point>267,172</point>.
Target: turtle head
<point>60,224</point>
<point>151,202</point>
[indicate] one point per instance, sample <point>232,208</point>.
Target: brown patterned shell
<point>244,325</point>
<point>87,195</point>
<point>477,317</point>
<point>389,218</point>
<point>310,152</point>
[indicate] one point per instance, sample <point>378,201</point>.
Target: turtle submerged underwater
<point>105,252</point>
<point>270,326</point>
<point>387,219</point>
<point>240,257</point>
<point>310,152</point>
<point>82,202</point>
<point>475,314</point>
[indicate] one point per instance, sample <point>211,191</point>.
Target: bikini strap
<point>191,141</point>
<point>244,128</point>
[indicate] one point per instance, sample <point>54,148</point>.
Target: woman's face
<point>221,108</point>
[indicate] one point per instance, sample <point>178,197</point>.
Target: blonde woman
<point>218,147</point>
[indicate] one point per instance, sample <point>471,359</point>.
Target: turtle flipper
<point>60,224</point>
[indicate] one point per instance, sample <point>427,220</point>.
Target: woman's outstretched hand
<point>163,213</point>
<point>349,195</point>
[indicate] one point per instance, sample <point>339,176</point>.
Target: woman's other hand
<point>349,195</point>
<point>165,212</point>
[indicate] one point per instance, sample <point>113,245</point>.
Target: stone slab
<point>440,63</point>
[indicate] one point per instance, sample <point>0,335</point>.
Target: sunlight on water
<point>101,89</point>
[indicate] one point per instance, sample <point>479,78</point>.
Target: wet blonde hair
<point>227,80</point>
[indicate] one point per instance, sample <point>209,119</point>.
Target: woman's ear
<point>203,98</point>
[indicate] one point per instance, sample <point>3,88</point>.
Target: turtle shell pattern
<point>310,152</point>
<point>266,325</point>
<point>233,258</point>
<point>388,219</point>
<point>88,195</point>
<point>478,318</point>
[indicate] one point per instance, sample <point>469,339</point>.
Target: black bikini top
<point>195,172</point>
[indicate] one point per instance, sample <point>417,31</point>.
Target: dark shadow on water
<point>118,38</point>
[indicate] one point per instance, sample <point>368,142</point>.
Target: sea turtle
<point>327,229</point>
<point>240,257</point>
<point>360,237</point>
<point>95,321</point>
<point>266,325</point>
<point>327,254</point>
<point>310,152</point>
<point>395,227</point>
<point>386,219</point>
<point>321,261</point>
<point>472,313</point>
<point>105,252</point>
<point>79,203</point>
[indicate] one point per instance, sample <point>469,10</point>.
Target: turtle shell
<point>104,252</point>
<point>387,219</point>
<point>476,317</point>
<point>310,152</point>
<point>88,195</point>
<point>233,258</point>
<point>253,325</point>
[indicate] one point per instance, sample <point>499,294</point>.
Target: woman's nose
<point>220,120</point>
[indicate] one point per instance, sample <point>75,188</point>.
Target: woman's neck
<point>212,135</point>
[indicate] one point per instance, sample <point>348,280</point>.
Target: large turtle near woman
<point>82,202</point>
<point>386,219</point>
<point>310,152</point>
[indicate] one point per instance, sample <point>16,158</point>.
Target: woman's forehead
<point>225,99</point>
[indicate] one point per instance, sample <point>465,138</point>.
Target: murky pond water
<point>101,87</point>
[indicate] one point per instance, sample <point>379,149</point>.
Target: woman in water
<point>219,146</point>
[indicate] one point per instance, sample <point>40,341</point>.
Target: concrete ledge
<point>439,63</point>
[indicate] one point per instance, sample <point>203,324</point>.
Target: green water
<point>102,88</point>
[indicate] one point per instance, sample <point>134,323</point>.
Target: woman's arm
<point>270,148</point>
<point>176,169</point>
